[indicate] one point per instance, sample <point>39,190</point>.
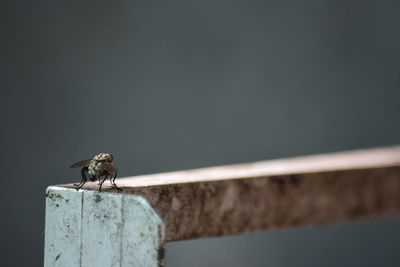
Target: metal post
<point>87,228</point>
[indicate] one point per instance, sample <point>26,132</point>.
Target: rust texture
<point>193,210</point>
<point>309,190</point>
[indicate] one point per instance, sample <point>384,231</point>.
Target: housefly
<point>100,167</point>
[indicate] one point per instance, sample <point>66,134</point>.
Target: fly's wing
<point>111,168</point>
<point>80,164</point>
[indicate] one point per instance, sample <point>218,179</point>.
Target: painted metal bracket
<point>87,228</point>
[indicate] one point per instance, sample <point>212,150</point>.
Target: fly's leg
<point>112,181</point>
<point>82,182</point>
<point>103,182</point>
<point>84,173</point>
<point>79,186</point>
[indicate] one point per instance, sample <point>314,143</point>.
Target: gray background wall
<point>168,85</point>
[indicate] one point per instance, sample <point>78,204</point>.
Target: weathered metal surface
<point>349,160</point>
<point>63,227</point>
<point>227,207</point>
<point>272,194</point>
<point>216,201</point>
<point>88,228</point>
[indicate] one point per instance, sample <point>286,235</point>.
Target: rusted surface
<point>214,207</point>
<point>348,160</point>
<point>229,207</point>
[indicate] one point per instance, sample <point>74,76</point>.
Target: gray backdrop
<point>168,85</point>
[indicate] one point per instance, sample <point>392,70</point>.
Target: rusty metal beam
<point>240,198</point>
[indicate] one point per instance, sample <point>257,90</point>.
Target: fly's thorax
<point>103,157</point>
<point>95,168</point>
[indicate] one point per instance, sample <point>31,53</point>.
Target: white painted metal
<point>89,228</point>
<point>63,227</point>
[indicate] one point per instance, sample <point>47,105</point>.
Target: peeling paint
<point>58,256</point>
<point>175,205</point>
<point>97,198</point>
<point>52,195</point>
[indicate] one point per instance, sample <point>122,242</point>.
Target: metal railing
<point>130,227</point>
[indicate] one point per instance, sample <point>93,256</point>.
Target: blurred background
<point>170,85</point>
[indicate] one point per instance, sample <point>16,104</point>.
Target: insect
<point>101,165</point>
